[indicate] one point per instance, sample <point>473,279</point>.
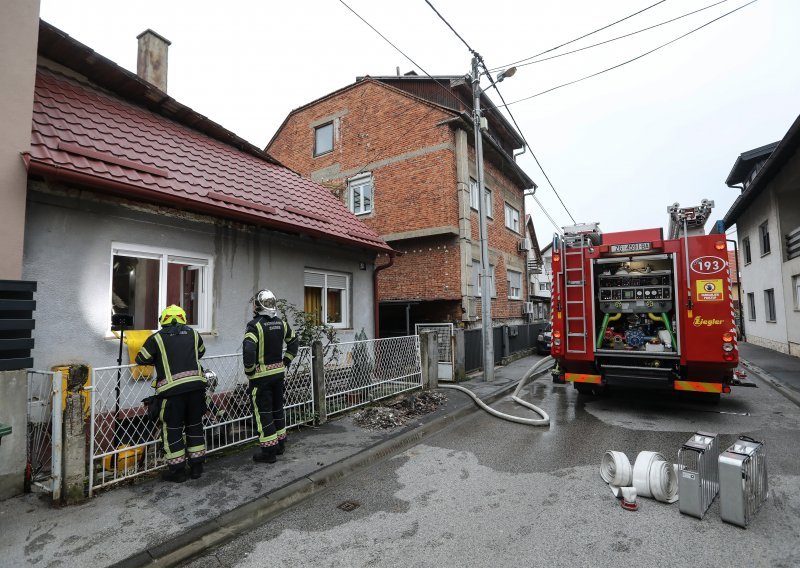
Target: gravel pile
<point>398,411</point>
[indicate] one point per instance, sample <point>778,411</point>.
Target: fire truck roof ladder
<point>572,251</point>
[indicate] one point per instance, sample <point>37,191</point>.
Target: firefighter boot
<point>281,447</point>
<point>175,475</point>
<point>266,455</point>
<point>196,470</point>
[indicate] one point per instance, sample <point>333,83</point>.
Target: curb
<point>773,382</point>
<point>228,526</point>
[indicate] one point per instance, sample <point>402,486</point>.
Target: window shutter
<point>337,281</point>
<point>314,279</point>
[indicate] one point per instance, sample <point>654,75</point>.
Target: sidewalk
<point>781,370</point>
<point>137,523</point>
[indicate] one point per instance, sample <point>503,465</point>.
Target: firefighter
<point>175,350</point>
<point>265,367</point>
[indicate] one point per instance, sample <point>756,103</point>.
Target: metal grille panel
<point>444,333</point>
<point>743,480</point>
<point>359,372</point>
<point>44,430</point>
<point>124,443</point>
<point>698,479</point>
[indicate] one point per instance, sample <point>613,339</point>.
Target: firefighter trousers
<point>266,396</point>
<point>182,428</point>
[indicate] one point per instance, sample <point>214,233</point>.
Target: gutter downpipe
<point>375,303</point>
<point>738,287</point>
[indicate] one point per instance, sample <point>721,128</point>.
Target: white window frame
<point>167,256</point>
<point>512,218</point>
<point>511,287</point>
<point>476,280</point>
<point>748,257</point>
<point>751,306</point>
<point>796,291</point>
<point>763,238</point>
<point>473,197</point>
<point>771,312</point>
<point>345,323</point>
<point>361,181</point>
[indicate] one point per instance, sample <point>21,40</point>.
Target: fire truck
<point>638,309</point>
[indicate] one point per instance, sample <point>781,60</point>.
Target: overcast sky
<point>619,147</point>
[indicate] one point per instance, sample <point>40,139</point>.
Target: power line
<point>581,37</point>
<point>622,36</point>
<point>488,74</point>
<point>546,214</point>
<point>633,59</point>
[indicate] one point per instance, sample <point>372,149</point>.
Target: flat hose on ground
<point>530,373</point>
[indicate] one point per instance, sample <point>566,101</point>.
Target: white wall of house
<point>68,250</point>
<point>786,186</point>
<point>763,273</point>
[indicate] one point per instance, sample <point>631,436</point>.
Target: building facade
<point>767,218</point>
<point>399,152</point>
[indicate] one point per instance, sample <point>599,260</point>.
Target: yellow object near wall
<point>134,339</point>
<point>64,370</point>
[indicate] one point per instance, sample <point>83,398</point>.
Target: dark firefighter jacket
<point>263,346</point>
<point>175,350</point>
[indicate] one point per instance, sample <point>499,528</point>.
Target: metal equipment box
<point>742,481</point>
<point>698,476</point>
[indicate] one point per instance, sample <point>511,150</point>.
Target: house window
<point>746,249</point>
<point>751,306</point>
<point>326,297</point>
<point>544,286</point>
<point>476,279</point>
<point>514,284</point>
<point>512,218</point>
<point>473,197</point>
<point>796,291</point>
<point>323,139</point>
<point>360,192</point>
<point>769,304</point>
<point>145,280</point>
<point>763,233</point>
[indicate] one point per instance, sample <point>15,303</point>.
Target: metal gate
<point>45,415</point>
<point>444,341</point>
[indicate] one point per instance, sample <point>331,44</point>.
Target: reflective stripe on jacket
<point>262,349</point>
<point>175,351</point>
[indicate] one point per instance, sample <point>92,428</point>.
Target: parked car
<point>543,340</point>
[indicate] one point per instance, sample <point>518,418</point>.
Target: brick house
<point>399,151</point>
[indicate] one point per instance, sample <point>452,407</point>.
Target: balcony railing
<point>793,244</point>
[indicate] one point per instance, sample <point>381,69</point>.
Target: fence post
<point>318,381</point>
<point>459,356</point>
<point>57,438</point>
<point>506,345</point>
<point>429,360</point>
<point>74,477</point>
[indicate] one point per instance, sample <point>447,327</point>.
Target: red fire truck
<point>637,309</point>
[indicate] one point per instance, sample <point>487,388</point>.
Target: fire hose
<point>650,476</point>
<point>530,373</point>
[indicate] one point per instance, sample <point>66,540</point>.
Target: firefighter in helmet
<point>265,365</point>
<point>175,350</point>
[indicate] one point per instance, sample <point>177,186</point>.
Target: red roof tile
<point>86,135</point>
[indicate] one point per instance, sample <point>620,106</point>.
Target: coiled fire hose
<point>530,373</point>
<point>651,475</point>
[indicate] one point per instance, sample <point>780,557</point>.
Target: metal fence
<point>44,420</point>
<point>124,443</point>
<point>520,338</point>
<point>359,372</point>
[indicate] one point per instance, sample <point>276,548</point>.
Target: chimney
<point>151,62</point>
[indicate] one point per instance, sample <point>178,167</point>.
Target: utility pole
<point>486,289</point>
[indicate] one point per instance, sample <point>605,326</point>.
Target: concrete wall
<point>69,235</point>
<point>787,192</point>
<point>19,25</point>
<point>763,273</point>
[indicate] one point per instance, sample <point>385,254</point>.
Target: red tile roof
<point>88,136</point>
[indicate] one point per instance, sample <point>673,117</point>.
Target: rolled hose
<point>654,477</point>
<point>615,469</point>
<point>530,373</point>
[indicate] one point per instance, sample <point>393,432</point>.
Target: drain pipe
<point>537,369</point>
<point>375,303</point>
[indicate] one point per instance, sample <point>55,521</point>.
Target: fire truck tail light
<point>556,257</point>
<point>727,347</point>
<point>726,389</point>
<point>556,334</point>
<point>719,245</point>
<point>727,337</point>
<point>728,356</point>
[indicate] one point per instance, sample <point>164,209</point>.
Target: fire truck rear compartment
<point>635,328</point>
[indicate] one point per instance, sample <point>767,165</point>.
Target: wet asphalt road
<point>486,492</point>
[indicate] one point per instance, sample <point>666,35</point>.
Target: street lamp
<point>506,73</point>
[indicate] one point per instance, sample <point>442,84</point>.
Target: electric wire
<point>489,75</point>
<point>579,38</point>
<point>622,36</point>
<point>539,203</point>
<point>617,66</point>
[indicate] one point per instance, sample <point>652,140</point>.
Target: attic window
<point>323,139</point>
